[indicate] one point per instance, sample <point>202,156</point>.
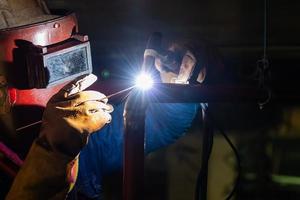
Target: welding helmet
<point>39,52</point>
<point>38,58</point>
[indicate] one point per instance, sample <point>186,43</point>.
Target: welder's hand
<point>177,65</point>
<point>72,114</point>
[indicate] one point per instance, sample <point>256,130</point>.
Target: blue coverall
<point>165,123</point>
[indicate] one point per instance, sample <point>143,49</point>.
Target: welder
<point>72,114</point>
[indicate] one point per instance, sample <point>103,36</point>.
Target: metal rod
<point>29,125</point>
<point>207,144</point>
<point>134,136</point>
<point>165,92</point>
<point>119,92</point>
<point>177,93</point>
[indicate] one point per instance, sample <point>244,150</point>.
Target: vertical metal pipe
<point>134,134</point>
<point>207,143</point>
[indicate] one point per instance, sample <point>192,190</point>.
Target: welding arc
<point>107,97</point>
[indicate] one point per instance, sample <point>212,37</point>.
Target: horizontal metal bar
<point>198,93</point>
<point>164,93</point>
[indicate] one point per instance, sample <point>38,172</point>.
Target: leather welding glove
<point>72,114</point>
<point>51,166</point>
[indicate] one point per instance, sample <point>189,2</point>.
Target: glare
<point>40,39</point>
<point>144,81</point>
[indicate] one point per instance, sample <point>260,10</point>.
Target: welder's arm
<point>44,175</point>
<point>50,168</point>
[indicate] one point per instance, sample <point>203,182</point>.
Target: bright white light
<point>144,81</point>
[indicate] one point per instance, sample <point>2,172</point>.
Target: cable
<point>265,29</point>
<point>238,160</point>
<point>263,66</point>
<point>263,69</point>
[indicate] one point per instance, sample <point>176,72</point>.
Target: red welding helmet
<point>39,53</point>
<point>39,58</point>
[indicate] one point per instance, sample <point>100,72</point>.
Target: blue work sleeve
<point>165,123</point>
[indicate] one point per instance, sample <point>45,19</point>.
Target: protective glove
<point>50,168</point>
<point>71,115</point>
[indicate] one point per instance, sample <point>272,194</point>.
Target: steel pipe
<point>167,93</point>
